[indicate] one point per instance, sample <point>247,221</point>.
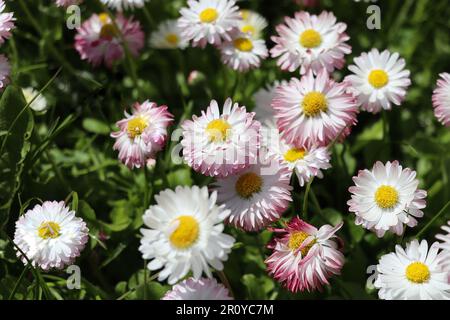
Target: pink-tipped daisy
<point>67,3</point>
<point>50,235</point>
<point>201,289</point>
<point>263,110</point>
<point>124,4</point>
<point>386,198</point>
<point>256,196</point>
<point>142,134</point>
<point>313,109</point>
<point>99,41</point>
<point>304,257</point>
<point>243,52</point>
<point>441,99</point>
<point>445,246</point>
<point>311,42</point>
<point>209,21</point>
<point>379,80</point>
<point>414,273</point>
<point>5,71</point>
<point>219,144</point>
<point>6,23</point>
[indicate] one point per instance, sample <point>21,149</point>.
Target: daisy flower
<point>243,52</point>
<point>6,23</point>
<point>50,235</point>
<point>142,134</point>
<point>98,39</point>
<point>256,196</point>
<point>313,109</point>
<point>252,23</point>
<point>209,21</point>
<point>412,274</point>
<point>167,36</point>
<point>441,99</point>
<point>386,197</point>
<point>201,289</point>
<point>124,4</point>
<point>185,234</point>
<point>445,246</point>
<point>263,110</point>
<point>5,70</point>
<point>67,3</point>
<point>218,144</point>
<point>304,257</point>
<point>379,80</point>
<point>311,42</point>
<point>39,104</point>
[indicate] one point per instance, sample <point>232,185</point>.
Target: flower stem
<point>305,200</point>
<point>442,211</point>
<point>225,281</point>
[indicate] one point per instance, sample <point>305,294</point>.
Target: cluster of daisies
<point>253,156</point>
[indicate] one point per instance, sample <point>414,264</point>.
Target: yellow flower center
<point>248,29</point>
<point>243,44</point>
<point>313,103</point>
<point>296,240</point>
<point>108,30</point>
<point>209,15</point>
<point>248,184</point>
<point>386,197</point>
<point>378,78</point>
<point>218,130</point>
<point>245,14</point>
<point>294,154</point>
<point>417,272</point>
<point>172,38</point>
<point>136,127</point>
<point>186,233</point>
<point>49,229</point>
<point>310,39</point>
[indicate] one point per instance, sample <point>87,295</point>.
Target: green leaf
<point>14,146</point>
<point>96,126</point>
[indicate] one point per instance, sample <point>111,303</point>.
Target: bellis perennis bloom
<point>67,3</point>
<point>209,21</point>
<point>99,41</point>
<point>243,52</point>
<point>257,196</point>
<point>445,246</point>
<point>387,198</point>
<point>124,4</point>
<point>441,99</point>
<point>412,274</point>
<point>304,257</point>
<point>185,233</point>
<point>50,235</point>
<point>202,289</point>
<point>311,42</point>
<point>142,134</point>
<point>219,144</point>
<point>167,36</point>
<point>6,23</point>
<point>39,104</point>
<point>313,109</point>
<point>252,23</point>
<point>379,80</point>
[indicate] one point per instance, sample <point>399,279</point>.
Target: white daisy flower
<point>252,23</point>
<point>168,36</point>
<point>263,110</point>
<point>124,4</point>
<point>445,246</point>
<point>311,42</point>
<point>39,104</point>
<point>201,289</point>
<point>412,274</point>
<point>257,196</point>
<point>209,21</point>
<point>185,234</point>
<point>50,235</point>
<point>379,80</point>
<point>243,52</point>
<point>441,99</point>
<point>386,197</point>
